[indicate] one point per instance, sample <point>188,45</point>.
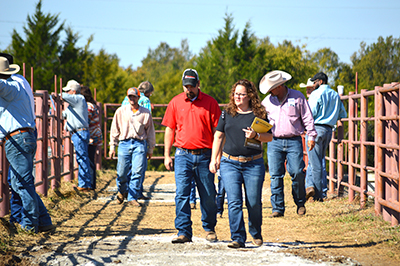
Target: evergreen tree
<point>75,60</point>
<point>40,49</point>
<point>217,63</point>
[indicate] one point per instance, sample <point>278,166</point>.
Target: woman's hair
<point>254,103</point>
<point>85,91</point>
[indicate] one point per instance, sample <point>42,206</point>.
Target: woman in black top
<point>240,164</point>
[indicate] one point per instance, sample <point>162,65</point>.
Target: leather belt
<point>242,159</point>
<point>196,152</point>
<point>18,131</point>
<point>323,125</point>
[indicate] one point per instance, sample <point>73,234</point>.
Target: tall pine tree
<point>40,49</point>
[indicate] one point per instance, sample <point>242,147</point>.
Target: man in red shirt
<point>191,117</point>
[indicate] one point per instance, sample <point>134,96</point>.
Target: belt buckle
<point>242,159</point>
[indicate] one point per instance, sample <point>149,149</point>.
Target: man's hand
<point>168,163</point>
<point>111,153</point>
<point>213,167</point>
<point>149,156</point>
<point>310,145</point>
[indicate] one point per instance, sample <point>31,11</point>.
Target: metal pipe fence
<point>362,161</point>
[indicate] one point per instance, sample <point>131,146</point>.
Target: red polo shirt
<point>192,121</point>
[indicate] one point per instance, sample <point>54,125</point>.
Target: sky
<point>129,28</point>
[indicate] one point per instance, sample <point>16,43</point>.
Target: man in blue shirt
<point>17,124</point>
<point>327,109</point>
<point>78,125</point>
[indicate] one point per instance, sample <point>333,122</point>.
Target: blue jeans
<point>80,139</point>
<point>92,155</point>
<point>220,194</point>
<point>291,151</point>
<point>131,158</point>
<point>316,170</point>
<point>128,176</point>
<point>192,198</point>
<point>234,175</point>
<point>27,207</point>
<point>187,167</point>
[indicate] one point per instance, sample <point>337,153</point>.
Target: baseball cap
<point>190,77</point>
<point>133,91</point>
<point>321,76</point>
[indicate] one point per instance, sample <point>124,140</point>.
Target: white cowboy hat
<point>309,84</point>
<point>6,68</point>
<point>272,80</point>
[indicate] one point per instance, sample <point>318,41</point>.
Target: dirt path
<point>92,229</point>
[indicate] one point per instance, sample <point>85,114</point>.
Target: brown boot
<point>310,191</point>
<point>180,240</point>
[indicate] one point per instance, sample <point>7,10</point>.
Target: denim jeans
<point>131,158</point>
<point>220,194</point>
<point>128,176</point>
<point>234,175</point>
<point>192,197</point>
<point>80,139</point>
<point>26,206</point>
<point>92,154</point>
<point>291,151</point>
<point>316,170</point>
<point>187,167</point>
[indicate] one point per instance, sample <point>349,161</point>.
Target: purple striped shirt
<point>290,118</point>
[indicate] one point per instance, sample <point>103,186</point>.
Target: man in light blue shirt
<point>17,124</point>
<point>327,109</point>
<point>77,123</point>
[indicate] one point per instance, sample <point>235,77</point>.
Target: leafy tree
<point>40,49</point>
<point>345,77</point>
<point>163,67</point>
<point>378,63</point>
<point>291,59</point>
<point>328,62</point>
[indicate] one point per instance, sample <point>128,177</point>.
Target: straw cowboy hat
<point>6,68</point>
<point>272,80</point>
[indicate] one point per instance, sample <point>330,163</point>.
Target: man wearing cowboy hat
<point>78,125</point>
<point>17,124</point>
<point>290,115</point>
<point>309,87</point>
